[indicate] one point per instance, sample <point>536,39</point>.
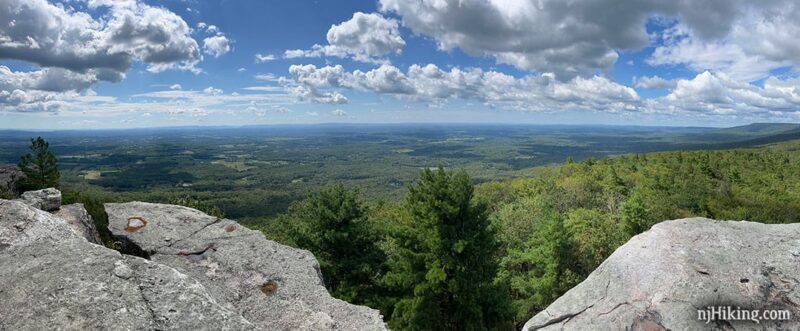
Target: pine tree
<point>40,167</point>
<point>541,268</point>
<point>447,255</point>
<point>331,223</point>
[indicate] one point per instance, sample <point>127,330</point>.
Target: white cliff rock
<point>273,286</point>
<point>53,279</point>
<point>661,278</point>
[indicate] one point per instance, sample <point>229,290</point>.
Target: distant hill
<point>760,129</point>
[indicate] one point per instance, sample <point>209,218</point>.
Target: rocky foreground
<point>660,278</point>
<point>179,270</point>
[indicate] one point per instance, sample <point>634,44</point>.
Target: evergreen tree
<point>331,223</point>
<point>446,254</point>
<point>40,167</point>
<point>542,268</point>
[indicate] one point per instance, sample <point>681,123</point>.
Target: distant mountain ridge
<point>761,128</point>
<point>747,135</point>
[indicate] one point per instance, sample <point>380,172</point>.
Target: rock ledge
<point>660,278</point>
<point>273,286</point>
<point>190,271</point>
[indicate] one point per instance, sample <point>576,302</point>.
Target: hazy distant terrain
<point>257,171</point>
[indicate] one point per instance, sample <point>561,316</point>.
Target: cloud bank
<point>74,50</point>
<point>707,93</point>
<point>744,39</point>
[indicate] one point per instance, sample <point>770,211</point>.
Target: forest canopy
<point>555,226</point>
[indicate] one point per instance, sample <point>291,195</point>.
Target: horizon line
<point>321,124</point>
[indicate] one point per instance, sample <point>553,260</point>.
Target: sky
<point>100,64</point>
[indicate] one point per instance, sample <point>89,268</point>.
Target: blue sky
<point>131,63</point>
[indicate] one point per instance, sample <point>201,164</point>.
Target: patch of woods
<point>454,256</point>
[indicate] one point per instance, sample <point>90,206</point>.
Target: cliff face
<point>188,271</point>
<point>661,278</point>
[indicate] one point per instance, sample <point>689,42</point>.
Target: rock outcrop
<point>10,175</point>
<point>22,225</point>
<point>661,278</point>
<point>275,287</point>
<point>75,215</point>
<point>54,278</point>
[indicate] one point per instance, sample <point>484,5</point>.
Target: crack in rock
<point>562,318</point>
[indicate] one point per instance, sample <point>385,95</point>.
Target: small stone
<point>121,270</point>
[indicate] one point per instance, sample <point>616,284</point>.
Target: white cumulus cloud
<point>74,50</point>
<point>261,58</point>
<point>52,36</point>
<point>365,37</point>
<point>654,82</point>
<point>216,46</point>
<point>212,91</point>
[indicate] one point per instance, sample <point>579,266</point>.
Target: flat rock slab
<point>53,279</point>
<point>660,278</point>
<point>273,286</point>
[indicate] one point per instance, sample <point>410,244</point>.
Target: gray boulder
<point>53,279</point>
<point>80,221</point>
<point>48,199</point>
<point>273,286</point>
<point>661,278</point>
